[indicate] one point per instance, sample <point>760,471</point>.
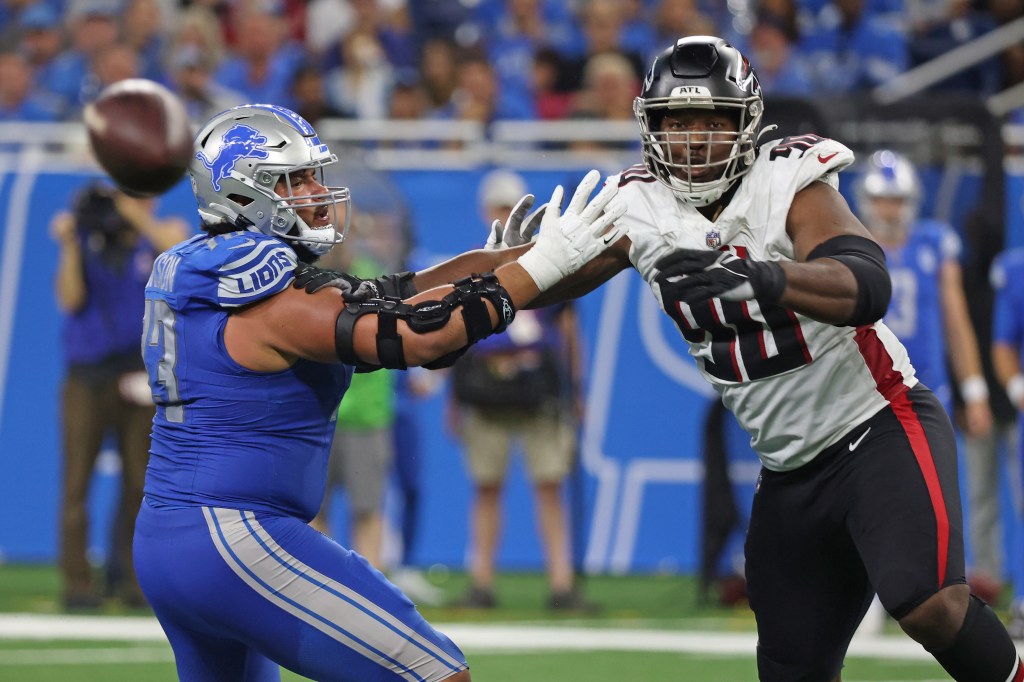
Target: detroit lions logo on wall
<point>239,142</point>
<point>713,239</point>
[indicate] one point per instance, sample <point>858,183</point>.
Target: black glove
<point>693,275</point>
<point>313,279</point>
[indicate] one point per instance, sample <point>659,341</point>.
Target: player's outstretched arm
<point>430,326</point>
<point>839,276</point>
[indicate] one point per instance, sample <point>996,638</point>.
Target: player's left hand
<point>693,275</point>
<point>313,279</point>
<point>518,229</point>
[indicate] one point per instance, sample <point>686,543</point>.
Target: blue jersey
<point>1007,279</point>
<point>915,311</point>
<point>225,435</point>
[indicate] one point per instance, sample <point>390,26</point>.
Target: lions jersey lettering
<point>763,358</point>
<point>264,270</point>
<point>272,436</point>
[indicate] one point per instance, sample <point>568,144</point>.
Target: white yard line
<point>470,636</point>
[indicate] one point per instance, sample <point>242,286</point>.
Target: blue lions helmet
<point>889,194</point>
<point>242,153</point>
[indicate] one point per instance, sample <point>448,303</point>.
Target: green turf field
<point>658,613</point>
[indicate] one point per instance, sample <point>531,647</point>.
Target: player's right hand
<point>313,279</point>
<point>568,242</point>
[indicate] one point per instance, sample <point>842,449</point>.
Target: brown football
<point>140,134</point>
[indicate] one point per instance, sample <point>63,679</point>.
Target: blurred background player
<point>363,450</point>
<point>519,390</point>
<point>928,309</point>
<point>108,243</point>
<point>1007,354</point>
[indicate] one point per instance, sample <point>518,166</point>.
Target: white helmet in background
<point>240,156</point>
<point>889,175</point>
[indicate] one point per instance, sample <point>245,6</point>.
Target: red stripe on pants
<point>926,462</point>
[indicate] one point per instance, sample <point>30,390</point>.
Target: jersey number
<point>798,143</point>
<point>160,350</point>
<point>748,342</point>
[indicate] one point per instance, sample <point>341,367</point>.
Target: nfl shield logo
<point>713,239</point>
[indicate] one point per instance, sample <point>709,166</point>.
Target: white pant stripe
<point>320,601</point>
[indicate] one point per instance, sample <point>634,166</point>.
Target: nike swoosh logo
<point>854,444</point>
<point>825,158</point>
<point>608,240</point>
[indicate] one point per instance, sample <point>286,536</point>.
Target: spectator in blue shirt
<point>145,27</point>
<point>41,42</point>
<point>93,28</point>
<point>782,69</point>
<point>264,63</point>
<point>852,50</point>
<point>18,101</point>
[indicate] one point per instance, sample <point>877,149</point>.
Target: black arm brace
<point>424,317</point>
<point>398,285</point>
<point>866,261</point>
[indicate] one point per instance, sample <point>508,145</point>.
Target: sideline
<point>473,637</point>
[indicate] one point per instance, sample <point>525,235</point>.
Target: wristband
<point>1015,389</point>
<point>974,389</point>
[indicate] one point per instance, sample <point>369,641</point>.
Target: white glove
<point>518,229</point>
<point>568,242</point>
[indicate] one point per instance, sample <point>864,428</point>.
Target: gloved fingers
<point>494,236</point>
<point>515,216</point>
<point>553,210</point>
<point>686,261</point>
<point>582,193</point>
<point>532,223</point>
<point>606,228</point>
<point>598,203</point>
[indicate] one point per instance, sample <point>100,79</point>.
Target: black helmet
<point>699,72</point>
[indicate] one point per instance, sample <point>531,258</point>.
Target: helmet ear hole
<point>240,200</point>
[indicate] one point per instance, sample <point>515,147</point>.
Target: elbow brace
<point>866,261</point>
<point>424,317</point>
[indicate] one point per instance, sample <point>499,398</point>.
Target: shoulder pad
<point>803,159</point>
<point>635,173</point>
<point>247,266</point>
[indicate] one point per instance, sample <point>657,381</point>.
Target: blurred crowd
<point>475,60</point>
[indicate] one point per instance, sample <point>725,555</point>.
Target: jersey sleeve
<point>800,160</point>
<point>242,268</point>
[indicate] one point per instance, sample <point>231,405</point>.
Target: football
<point>140,134</point>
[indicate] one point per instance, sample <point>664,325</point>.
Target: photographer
<point>108,242</point>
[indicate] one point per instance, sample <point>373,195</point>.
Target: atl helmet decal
<point>239,142</point>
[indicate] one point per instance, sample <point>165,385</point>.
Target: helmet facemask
<point>699,73</point>
<point>679,173</point>
<point>333,204</point>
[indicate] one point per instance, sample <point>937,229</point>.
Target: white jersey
<point>796,385</point>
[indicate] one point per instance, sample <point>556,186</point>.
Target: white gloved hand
<point>518,228</point>
<point>568,242</point>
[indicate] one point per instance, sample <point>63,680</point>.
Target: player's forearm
<point>1006,364</point>
<point>823,289</point>
<point>422,347</point>
<point>463,265</point>
<point>70,280</point>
